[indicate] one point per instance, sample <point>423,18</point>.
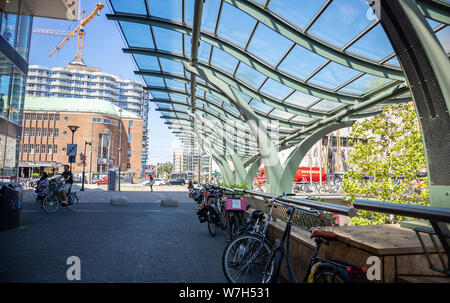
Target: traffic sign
<point>72,159</point>
<point>71,149</point>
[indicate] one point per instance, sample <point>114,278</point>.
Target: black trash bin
<point>11,195</point>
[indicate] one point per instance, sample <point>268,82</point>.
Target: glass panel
<point>129,6</point>
<point>216,100</point>
<point>326,106</point>
<point>171,66</point>
<point>168,9</point>
<point>164,105</point>
<point>241,94</point>
<point>297,12</point>
<point>300,99</point>
<point>187,45</point>
<point>224,60</point>
<point>259,106</point>
<point>301,119</point>
<point>136,34</point>
<point>180,107</point>
<point>154,81</point>
<point>231,108</point>
<point>209,15</point>
<point>147,62</point>
<point>249,75</point>
<point>189,11</point>
<point>159,95</point>
<point>364,84</point>
<point>341,21</point>
<point>444,37</point>
<point>301,62</point>
<point>168,40</point>
<point>393,61</point>
<point>235,25</point>
<point>177,97</point>
<point>204,50</point>
<point>278,114</point>
<point>333,75</point>
<point>175,84</point>
<point>263,42</point>
<point>373,45</point>
<point>275,89</point>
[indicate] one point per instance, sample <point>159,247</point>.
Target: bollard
<point>119,201</point>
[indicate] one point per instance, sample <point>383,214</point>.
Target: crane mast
<point>80,31</point>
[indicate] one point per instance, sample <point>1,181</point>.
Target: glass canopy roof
<point>295,62</point>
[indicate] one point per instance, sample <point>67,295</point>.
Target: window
<point>128,165</point>
<point>26,131</point>
<point>130,124</point>
<point>36,149</point>
<point>33,116</point>
<point>50,117</point>
<point>130,137</point>
<point>55,149</point>
<point>65,132</point>
<point>107,121</point>
<point>32,132</point>
<point>25,148</point>
<point>57,117</point>
<point>56,133</point>
<point>45,117</point>
<point>38,132</point>
<point>44,132</point>
<point>43,149</point>
<point>49,149</point>
<point>39,117</point>
<point>27,116</point>
<point>66,118</point>
<point>96,120</point>
<point>129,153</point>
<point>31,149</point>
<point>50,132</point>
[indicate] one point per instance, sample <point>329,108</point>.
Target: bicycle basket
<point>235,204</point>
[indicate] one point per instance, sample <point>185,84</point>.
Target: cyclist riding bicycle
<point>68,181</point>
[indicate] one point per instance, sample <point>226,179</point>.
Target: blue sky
<point>102,48</point>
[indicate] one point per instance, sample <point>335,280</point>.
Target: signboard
<point>71,149</point>
<point>104,161</point>
<point>72,159</point>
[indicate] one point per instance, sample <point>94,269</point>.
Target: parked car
<point>177,181</point>
<point>157,182</point>
<point>102,181</point>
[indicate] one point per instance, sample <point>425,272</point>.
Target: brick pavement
<point>141,242</point>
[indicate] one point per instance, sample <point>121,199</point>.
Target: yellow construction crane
<point>80,30</point>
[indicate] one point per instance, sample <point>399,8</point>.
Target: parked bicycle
<point>53,200</point>
<point>245,256</point>
<point>320,270</point>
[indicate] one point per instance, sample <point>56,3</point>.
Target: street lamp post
<point>73,129</point>
<point>84,163</point>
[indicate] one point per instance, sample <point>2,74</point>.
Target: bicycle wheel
<point>330,274</point>
<point>234,226</point>
<point>237,257</point>
<point>50,204</point>
<point>73,202</point>
<point>211,225</point>
<point>223,220</point>
<point>272,268</point>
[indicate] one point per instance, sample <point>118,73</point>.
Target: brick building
<point>46,135</point>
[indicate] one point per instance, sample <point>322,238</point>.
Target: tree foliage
<point>387,163</point>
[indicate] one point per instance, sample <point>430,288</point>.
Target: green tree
<point>386,163</point>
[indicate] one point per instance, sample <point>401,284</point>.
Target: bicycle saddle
<point>318,233</point>
<point>257,214</point>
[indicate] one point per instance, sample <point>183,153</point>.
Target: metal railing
<point>310,213</point>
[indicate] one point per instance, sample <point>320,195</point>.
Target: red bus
<point>302,175</point>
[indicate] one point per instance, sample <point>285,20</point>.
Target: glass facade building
<point>16,18</point>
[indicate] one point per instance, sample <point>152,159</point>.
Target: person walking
<point>152,181</point>
<point>42,187</point>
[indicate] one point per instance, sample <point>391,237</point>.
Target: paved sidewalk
<point>141,242</point>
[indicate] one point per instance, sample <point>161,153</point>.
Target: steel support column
<point>296,156</point>
<point>268,152</point>
<point>426,67</point>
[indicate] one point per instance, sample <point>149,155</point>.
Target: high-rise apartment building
<point>85,82</point>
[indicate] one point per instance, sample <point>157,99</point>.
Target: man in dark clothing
<point>68,181</point>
